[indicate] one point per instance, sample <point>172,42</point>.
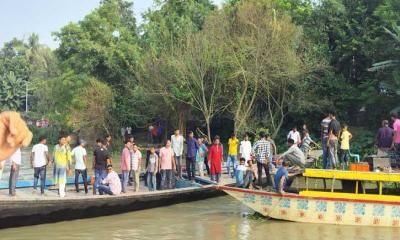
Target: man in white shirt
<point>39,160</point>
<point>245,148</point>
<point>295,135</point>
<point>136,159</point>
<point>80,156</point>
<point>15,161</point>
<point>177,141</point>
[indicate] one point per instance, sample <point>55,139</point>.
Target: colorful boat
<point>361,207</point>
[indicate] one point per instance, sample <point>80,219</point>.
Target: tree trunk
<point>208,129</point>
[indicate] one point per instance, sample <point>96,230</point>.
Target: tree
<point>199,68</point>
<point>12,91</point>
<point>164,29</point>
<point>105,45</point>
<point>171,21</point>
<point>90,109</point>
<point>267,60</point>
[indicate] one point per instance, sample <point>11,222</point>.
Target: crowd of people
<point>245,161</point>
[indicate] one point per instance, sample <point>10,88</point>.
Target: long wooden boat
<point>330,207</point>
<point>31,209</point>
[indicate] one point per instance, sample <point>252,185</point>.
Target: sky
<point>20,18</point>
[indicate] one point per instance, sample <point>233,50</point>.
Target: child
<point>305,143</point>
<point>240,173</point>
<point>345,137</point>
<point>151,169</point>
<point>200,154</point>
<point>250,175</point>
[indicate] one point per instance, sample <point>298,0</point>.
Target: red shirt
<point>215,157</point>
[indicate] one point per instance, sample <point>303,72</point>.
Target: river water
<point>217,218</point>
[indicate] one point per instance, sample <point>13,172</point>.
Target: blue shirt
<point>191,147</point>
<point>282,172</point>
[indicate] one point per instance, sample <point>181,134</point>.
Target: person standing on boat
<point>345,137</point>
<point>333,141</point>
<point>233,143</point>
<point>62,160</point>
<point>152,169</point>
<point>215,158</point>
<point>111,184</point>
<point>201,152</point>
<point>295,135</point>
<point>245,148</point>
<point>101,159</point>
<point>136,160</point>
<point>396,136</point>
<point>167,164</point>
<point>39,159</point>
<point>262,151</point>
<point>191,150</point>
<point>177,141</point>
<point>384,139</point>
<point>324,139</point>
<point>80,156</point>
<point>15,162</point>
<point>126,164</point>
<point>306,143</point>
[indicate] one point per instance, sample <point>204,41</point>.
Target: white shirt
<point>241,168</point>
<point>39,158</point>
<point>78,153</point>
<point>135,156</point>
<point>295,136</point>
<point>114,182</point>
<point>177,144</point>
<point>245,150</point>
<point>16,157</point>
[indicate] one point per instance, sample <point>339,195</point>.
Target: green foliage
<point>172,20</point>
<point>104,44</point>
<point>50,132</point>
<point>12,91</point>
<point>362,142</point>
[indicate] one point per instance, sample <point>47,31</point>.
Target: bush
<point>50,132</point>
<point>362,142</point>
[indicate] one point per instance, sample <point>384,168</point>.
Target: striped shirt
<point>262,150</point>
<point>325,127</point>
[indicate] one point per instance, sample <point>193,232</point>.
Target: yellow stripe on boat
<point>351,196</point>
<point>352,175</point>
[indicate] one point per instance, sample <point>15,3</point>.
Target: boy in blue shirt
<point>281,178</point>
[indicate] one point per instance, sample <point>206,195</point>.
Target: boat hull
<point>297,208</point>
<point>15,213</point>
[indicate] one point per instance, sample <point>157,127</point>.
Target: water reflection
<point>219,218</point>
